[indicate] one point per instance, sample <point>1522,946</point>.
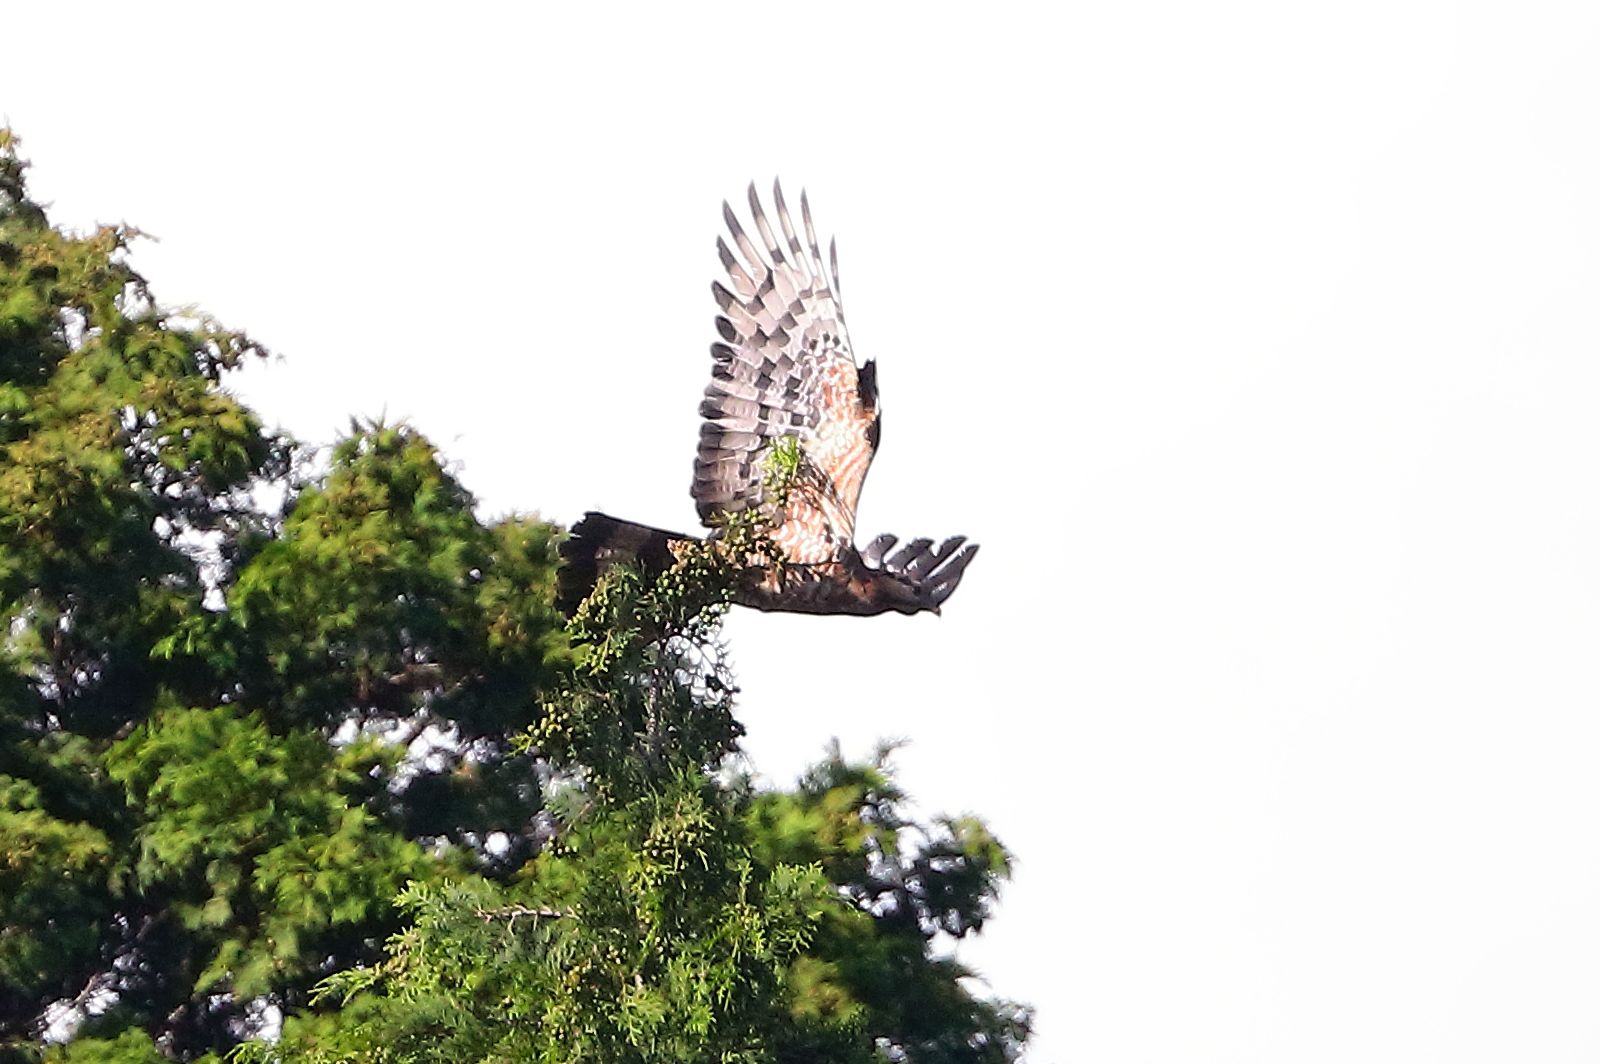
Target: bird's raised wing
<point>784,368</point>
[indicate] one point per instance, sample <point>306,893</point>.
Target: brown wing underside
<point>783,367</point>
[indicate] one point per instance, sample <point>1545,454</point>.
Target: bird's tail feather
<point>598,541</point>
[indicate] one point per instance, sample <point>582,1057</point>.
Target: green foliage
<point>125,475</point>
<point>129,1047</point>
<point>132,1046</point>
<point>120,455</point>
<point>54,876</point>
<point>650,696</point>
<point>675,917</point>
<point>916,881</point>
<point>179,839</point>
<point>781,466</point>
<point>253,840</point>
<point>385,592</point>
<point>345,763</point>
<point>648,936</point>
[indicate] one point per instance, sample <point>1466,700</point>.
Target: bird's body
<point>783,370</point>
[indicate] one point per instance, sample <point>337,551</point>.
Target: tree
<point>679,915</point>
<point>206,803</point>
<point>340,763</point>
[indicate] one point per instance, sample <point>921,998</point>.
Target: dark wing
<point>784,368</point>
<point>931,572</point>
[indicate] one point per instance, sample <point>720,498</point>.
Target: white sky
<point>1255,342</point>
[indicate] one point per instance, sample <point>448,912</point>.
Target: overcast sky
<point>1256,343</point>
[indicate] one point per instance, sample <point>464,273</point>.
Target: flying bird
<point>783,376</point>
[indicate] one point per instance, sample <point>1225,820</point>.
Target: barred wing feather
<point>784,367</point>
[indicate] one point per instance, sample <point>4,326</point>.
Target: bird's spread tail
<point>598,541</point>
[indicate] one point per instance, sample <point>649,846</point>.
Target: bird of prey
<point>784,376</point>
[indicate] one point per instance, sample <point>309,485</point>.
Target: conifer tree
<point>338,768</point>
